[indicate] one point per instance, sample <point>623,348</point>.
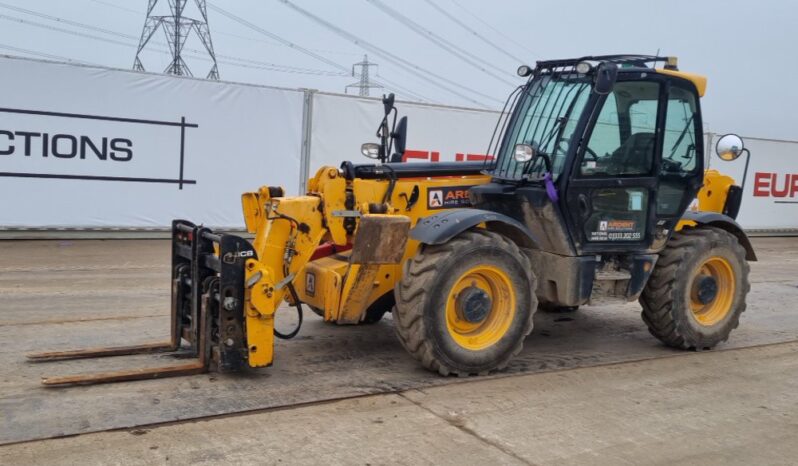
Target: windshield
<point>546,116</point>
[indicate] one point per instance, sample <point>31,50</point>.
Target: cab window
<point>623,138</point>
<point>679,149</point>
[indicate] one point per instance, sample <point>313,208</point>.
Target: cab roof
<point>627,62</point>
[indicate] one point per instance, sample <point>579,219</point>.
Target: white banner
<point>92,147</point>
<point>770,197</point>
<point>342,123</point>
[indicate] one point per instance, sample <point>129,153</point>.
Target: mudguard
<point>718,220</point>
<point>440,228</point>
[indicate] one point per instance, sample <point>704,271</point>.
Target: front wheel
<point>465,307</point>
<point>697,291</point>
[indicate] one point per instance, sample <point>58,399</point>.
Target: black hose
<point>299,313</point>
<point>391,184</point>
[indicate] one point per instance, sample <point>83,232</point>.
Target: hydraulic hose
<point>299,313</point>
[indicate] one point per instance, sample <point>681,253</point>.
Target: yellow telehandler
<point>596,191</point>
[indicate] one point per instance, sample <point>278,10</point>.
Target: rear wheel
<point>697,292</point>
<point>465,307</point>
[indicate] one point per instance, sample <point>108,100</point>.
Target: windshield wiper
<point>681,136</point>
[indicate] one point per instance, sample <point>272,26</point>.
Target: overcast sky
<point>746,48</point>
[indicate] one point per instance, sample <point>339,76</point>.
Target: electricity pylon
<point>177,28</point>
<point>364,84</point>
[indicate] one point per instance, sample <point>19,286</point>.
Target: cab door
<point>640,167</point>
<point>611,194</point>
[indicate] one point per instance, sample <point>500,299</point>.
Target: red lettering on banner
<point>472,157</point>
<point>415,154</point>
<point>777,192</point>
<point>435,156</point>
<point>768,185</point>
<point>762,184</point>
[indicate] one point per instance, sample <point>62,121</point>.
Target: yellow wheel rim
<point>480,307</point>
<point>712,291</point>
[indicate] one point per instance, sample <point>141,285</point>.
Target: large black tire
<point>667,297</point>
<point>420,316</point>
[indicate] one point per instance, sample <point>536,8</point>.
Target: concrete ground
<point>725,407</point>
<point>590,387</point>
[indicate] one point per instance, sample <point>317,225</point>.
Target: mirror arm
<point>389,149</point>
<point>745,170</point>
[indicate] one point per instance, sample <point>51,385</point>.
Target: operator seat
<point>635,155</point>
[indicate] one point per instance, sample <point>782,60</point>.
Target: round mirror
<point>370,150</point>
<point>523,153</point>
<point>729,147</point>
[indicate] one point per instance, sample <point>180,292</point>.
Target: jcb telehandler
<point>597,191</point>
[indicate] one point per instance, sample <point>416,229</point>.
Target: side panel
<point>321,282</point>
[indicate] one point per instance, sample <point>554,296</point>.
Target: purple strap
<point>551,190</point>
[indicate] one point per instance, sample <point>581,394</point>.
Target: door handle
<point>584,206</point>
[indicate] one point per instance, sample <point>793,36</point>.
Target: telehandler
<point>596,191</point>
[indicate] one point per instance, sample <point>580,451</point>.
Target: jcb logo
<point>231,257</point>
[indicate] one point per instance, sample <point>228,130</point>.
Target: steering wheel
<point>671,166</point>
<point>591,153</point>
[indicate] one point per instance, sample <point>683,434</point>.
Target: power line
<point>476,34</point>
<point>65,21</point>
<point>224,59</point>
<point>44,55</point>
<point>230,60</point>
<point>277,38</point>
<point>255,64</point>
<point>384,82</point>
<point>65,31</point>
<point>496,30</point>
<point>299,48</point>
<point>441,42</point>
<point>421,73</point>
<point>177,28</point>
<point>216,31</point>
<point>268,42</point>
<point>101,2</point>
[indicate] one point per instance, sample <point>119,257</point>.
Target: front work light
<point>524,71</point>
<point>370,150</point>
<point>523,153</point>
<point>583,67</point>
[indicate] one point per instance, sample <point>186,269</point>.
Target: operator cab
<point>598,154</point>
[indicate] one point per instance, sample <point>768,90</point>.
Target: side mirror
<point>729,147</point>
<point>523,153</point>
<point>370,150</point>
<point>606,75</point>
<point>400,136</point>
<point>387,102</point>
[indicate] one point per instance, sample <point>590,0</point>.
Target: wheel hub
<point>705,289</point>
<point>473,304</point>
